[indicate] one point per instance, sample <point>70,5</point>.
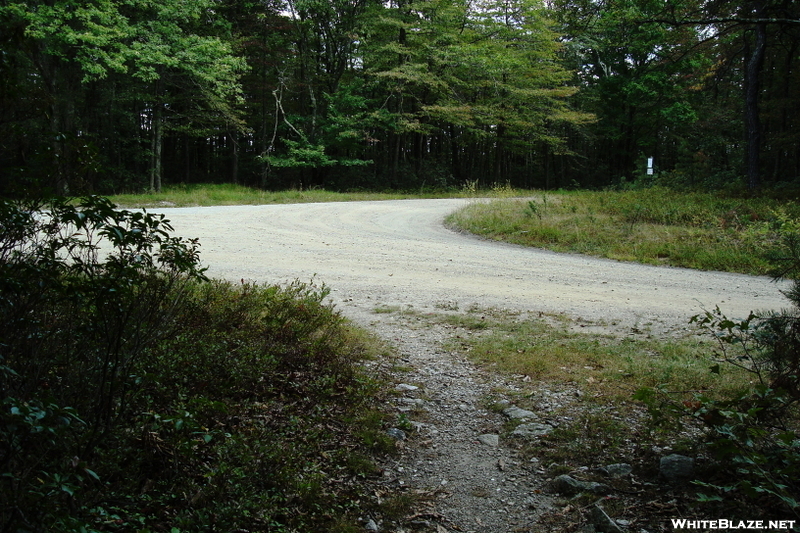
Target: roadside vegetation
<point>609,365</point>
<point>139,396</point>
<point>656,225</point>
<point>184,195</point>
<point>228,194</point>
<point>723,392</point>
<point>735,389</point>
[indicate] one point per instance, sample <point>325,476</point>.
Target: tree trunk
<point>234,157</point>
<point>187,158</point>
<point>499,154</point>
<point>155,165</point>
<point>455,157</point>
<point>752,88</point>
<point>51,69</point>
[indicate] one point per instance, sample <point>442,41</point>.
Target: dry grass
<point>654,226</point>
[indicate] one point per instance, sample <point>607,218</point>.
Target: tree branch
<point>725,20</point>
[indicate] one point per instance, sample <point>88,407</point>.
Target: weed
<point>470,187</point>
<point>533,210</point>
<point>503,190</point>
<point>398,506</point>
<point>404,423</point>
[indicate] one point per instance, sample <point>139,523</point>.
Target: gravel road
<point>399,253</point>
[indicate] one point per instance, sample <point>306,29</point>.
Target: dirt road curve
<point>399,253</point>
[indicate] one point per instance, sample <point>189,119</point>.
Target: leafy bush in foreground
<point>754,435</point>
<point>77,318</point>
<point>137,396</point>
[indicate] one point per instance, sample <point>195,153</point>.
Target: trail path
<point>398,254</point>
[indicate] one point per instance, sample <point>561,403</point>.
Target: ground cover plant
<point>722,392</point>
<point>655,226</point>
<point>139,396</point>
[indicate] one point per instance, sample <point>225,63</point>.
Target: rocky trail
<point>461,437</point>
<point>453,455</point>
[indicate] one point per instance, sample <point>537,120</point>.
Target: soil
<point>398,256</point>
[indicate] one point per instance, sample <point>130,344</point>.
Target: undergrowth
<point>136,395</point>
<point>729,399</point>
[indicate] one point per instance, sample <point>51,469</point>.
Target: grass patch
<point>653,226</point>
<point>183,195</point>
<point>607,369</point>
<point>229,194</point>
<point>606,366</point>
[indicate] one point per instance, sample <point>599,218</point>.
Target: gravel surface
<point>398,254</point>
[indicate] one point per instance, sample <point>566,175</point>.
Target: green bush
<point>753,435</point>
<point>84,291</point>
<point>138,396</point>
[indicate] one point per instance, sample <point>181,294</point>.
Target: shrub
<point>753,434</point>
<point>139,396</point>
<point>84,290</point>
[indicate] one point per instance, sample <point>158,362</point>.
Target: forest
<point>110,96</point>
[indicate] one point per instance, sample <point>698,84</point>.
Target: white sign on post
<point>649,166</point>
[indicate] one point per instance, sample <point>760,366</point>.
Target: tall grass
<point>183,195</point>
<point>653,226</point>
<point>229,194</point>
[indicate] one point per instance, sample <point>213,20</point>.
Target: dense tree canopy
<point>114,95</point>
